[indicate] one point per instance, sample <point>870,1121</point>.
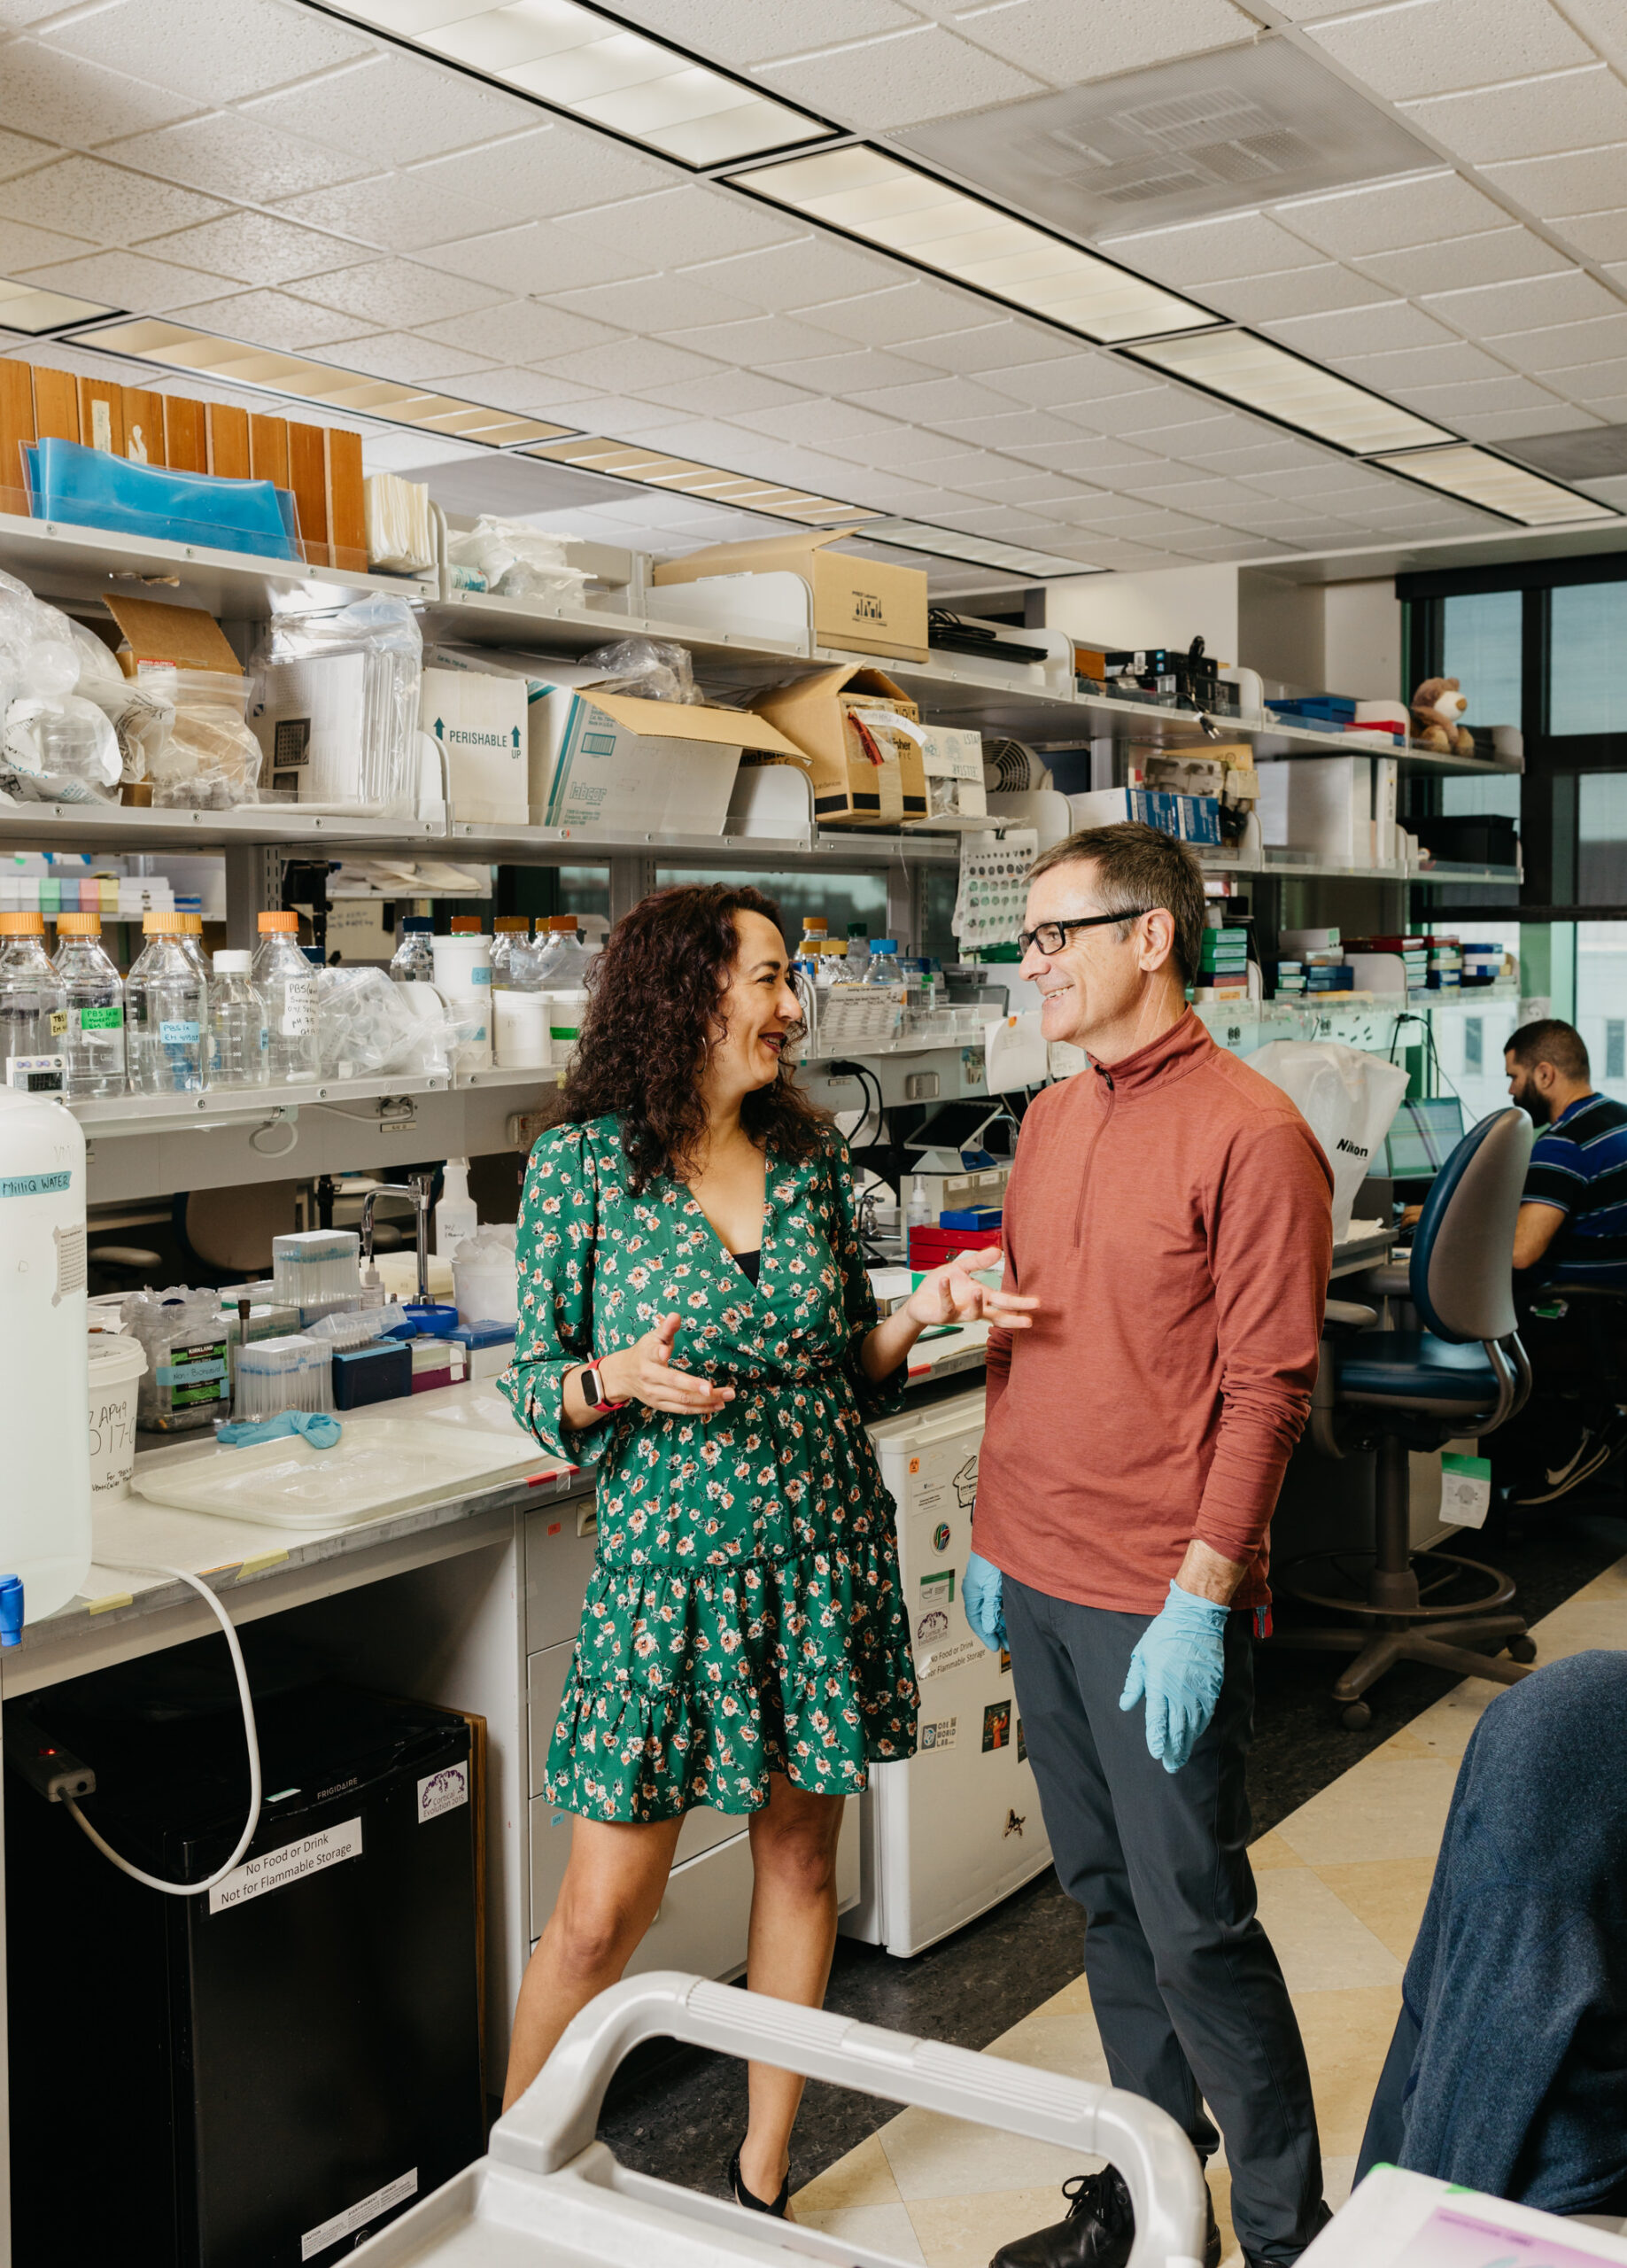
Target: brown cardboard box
<point>179,637</point>
<point>186,434</point>
<point>348,525</point>
<point>268,449</point>
<point>859,605</point>
<point>16,434</point>
<point>818,715</point>
<point>308,477</point>
<point>101,415</point>
<point>143,426</point>
<point>56,405</point>
<point>228,441</point>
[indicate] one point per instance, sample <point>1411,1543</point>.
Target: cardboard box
<point>606,759</point>
<point>229,440</point>
<point>170,637</point>
<point>836,722</point>
<point>186,434</point>
<point>268,449</point>
<point>101,415</point>
<point>348,525</point>
<point>16,434</point>
<point>143,426</point>
<point>482,723</point>
<point>56,405</point>
<point>856,604</point>
<point>952,758</point>
<point>308,477</point>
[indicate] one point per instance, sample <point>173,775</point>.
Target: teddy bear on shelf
<point>1437,707</point>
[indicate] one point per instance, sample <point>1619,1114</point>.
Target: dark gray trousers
<point>1187,1995</point>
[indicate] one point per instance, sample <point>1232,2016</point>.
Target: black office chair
<point>1395,1390</point>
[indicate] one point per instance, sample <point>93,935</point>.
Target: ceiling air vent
<point>1595,453</point>
<point>1212,134</point>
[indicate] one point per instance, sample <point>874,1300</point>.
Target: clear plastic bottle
<point>195,945</point>
<point>413,962</point>
<point>32,999</point>
<point>884,969</point>
<point>288,985</point>
<point>831,964</point>
<point>94,1041</point>
<point>816,935</point>
<point>507,931</point>
<point>167,1003</point>
<point>239,1036</point>
<point>858,952</point>
<point>564,960</point>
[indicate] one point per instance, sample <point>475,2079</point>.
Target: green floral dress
<point>745,1614</point>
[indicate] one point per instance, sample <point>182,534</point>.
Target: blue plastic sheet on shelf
<point>90,488</point>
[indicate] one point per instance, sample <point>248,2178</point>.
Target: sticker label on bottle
<point>195,1374</point>
<point>59,1022</point>
<point>177,1032</point>
<point>298,1018</point>
<point>108,1019</point>
<point>34,1184</point>
<point>480,976</point>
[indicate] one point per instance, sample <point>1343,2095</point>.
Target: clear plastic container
<point>211,760</point>
<point>195,943</point>
<point>316,1265</point>
<point>858,952</point>
<point>166,1002</point>
<point>277,1374</point>
<point>239,1037</point>
<point>187,1382</point>
<point>563,963</point>
<point>33,998</point>
<point>508,930</point>
<point>287,984</point>
<point>413,961</point>
<point>830,965</point>
<point>94,1040</point>
<point>884,966</point>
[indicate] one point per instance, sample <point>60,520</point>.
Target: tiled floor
<point>1342,1882</point>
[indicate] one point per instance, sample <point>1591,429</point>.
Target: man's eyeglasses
<point>1051,937</point>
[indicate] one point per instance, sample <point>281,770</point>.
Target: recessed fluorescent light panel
<point>1496,486</point>
<point>576,60</point>
<point>24,306</point>
<point>923,220</point>
<point>919,535</point>
<point>1257,375</point>
<point>681,476</point>
<point>232,363</point>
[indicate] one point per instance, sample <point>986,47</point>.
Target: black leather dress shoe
<point>1098,2232</point>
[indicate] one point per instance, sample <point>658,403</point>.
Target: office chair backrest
<point>1462,1263</point>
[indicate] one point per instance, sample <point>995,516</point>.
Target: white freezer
<point>950,1833</point>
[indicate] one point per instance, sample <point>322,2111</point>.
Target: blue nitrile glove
<point>318,1427</point>
<point>980,1589</point>
<point>1178,1663</point>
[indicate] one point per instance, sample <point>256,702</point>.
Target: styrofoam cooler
<point>547,2195</point>
<point>957,1826</point>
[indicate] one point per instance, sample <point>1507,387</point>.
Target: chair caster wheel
<point>1355,1716</point>
<point>1521,1650</point>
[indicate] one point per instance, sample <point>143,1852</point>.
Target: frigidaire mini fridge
<point>957,1826</point>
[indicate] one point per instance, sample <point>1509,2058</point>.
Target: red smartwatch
<point>593,1390</point>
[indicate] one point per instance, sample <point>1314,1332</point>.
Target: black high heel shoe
<point>743,2196</point>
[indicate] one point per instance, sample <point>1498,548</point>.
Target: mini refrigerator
<point>255,2077</point>
<point>955,1829</point>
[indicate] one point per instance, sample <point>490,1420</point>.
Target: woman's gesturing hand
<point>646,1372</point>
<point>952,1294</point>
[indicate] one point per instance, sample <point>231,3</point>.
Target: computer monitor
<point>1422,1137</point>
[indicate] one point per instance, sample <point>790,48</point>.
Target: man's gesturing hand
<point>646,1372</point>
<point>1178,1665</point>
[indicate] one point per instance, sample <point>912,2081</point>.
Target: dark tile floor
<point>678,2113</point>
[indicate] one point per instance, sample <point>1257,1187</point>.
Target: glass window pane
<point>840,898</point>
<point>1602,838</point>
<point>1470,1033</point>
<point>1601,992</point>
<point>1481,647</point>
<point>1587,692</point>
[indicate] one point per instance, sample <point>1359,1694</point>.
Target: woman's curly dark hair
<point>652,1009</point>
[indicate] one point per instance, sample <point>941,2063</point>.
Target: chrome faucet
<point>418,1188</point>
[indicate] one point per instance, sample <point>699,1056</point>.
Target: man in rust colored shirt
<point>1171,1211</point>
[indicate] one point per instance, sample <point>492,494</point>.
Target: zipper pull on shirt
<point>1102,1072</point>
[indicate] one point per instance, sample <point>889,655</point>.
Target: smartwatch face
<point>592,1392</point>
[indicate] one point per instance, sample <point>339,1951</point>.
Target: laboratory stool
<point>1464,1374</point>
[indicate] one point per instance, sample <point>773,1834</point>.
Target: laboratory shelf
<point>839,849</point>
<point>80,564</point>
<point>108,1117</point>
<point>120,827</point>
<point>1439,874</point>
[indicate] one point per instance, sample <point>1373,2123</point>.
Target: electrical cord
<point>153,1882</point>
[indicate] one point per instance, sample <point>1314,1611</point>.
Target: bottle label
<point>59,1022</point>
<point>177,1032</point>
<point>109,1019</point>
<point>298,1018</point>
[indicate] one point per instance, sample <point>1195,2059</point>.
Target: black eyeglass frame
<point>1027,939</point>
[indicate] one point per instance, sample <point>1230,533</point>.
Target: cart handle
<point>558,2115</point>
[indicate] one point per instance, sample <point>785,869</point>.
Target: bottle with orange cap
<point>167,1003</point>
<point>287,982</point>
<point>33,1004</point>
<point>94,1042</point>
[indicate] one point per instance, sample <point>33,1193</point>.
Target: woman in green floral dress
<point>697,1329</point>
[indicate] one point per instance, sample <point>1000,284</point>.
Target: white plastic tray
<point>380,1464</point>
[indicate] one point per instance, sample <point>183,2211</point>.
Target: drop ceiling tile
<point>1237,244</point>
<point>213,54</point>
<point>85,197</point>
<point>1479,396</point>
<point>655,303</point>
<point>1432,47</point>
<point>396,212</point>
<point>128,279</point>
<point>1561,345</point>
<point>903,311</point>
<point>1607,492</point>
<point>1573,110</point>
<point>1590,381</point>
<point>393,451</point>
<point>1033,488</point>
<point>22,248</point>
<point>16,15</point>
<point>390,110</point>
<point>669,226</point>
<point>524,330</point>
<point>991,348</point>
<point>797,274</point>
<point>413,361</point>
<point>1099,454</point>
<point>935,400</point>
<point>620,416</point>
<point>1597,235</point>
<point>1493,256</point>
<point>1043,384</point>
<point>19,151</point>
<point>1364,331</point>
<point>44,92</point>
<point>758,341</point>
<point>527,393</point>
<point>849,375</point>
<point>1322,290</point>
<point>1586,180</point>
<point>1318,483</point>
<point>546,172</point>
<point>929,456</point>
<point>911,496</point>
<point>902,79</point>
<point>750,31</point>
<point>728,393</point>
<point>229,154</point>
<point>279,320</point>
<point>397,294</point>
<point>1457,364</point>
<point>1354,224</point>
<point>1259,456</point>
<point>536,256</point>
<point>631,362</point>
<point>1059,41</point>
<point>823,423</point>
<point>1014,430</point>
<point>1127,558</point>
<point>256,248</point>
<point>1612,411</point>
<point>1515,425</point>
<point>1493,309</point>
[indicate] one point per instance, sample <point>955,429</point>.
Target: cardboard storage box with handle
<point>616,761</point>
<point>858,738</point>
<point>855,604</point>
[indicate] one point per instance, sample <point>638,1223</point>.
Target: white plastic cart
<point>1398,2219</point>
<point>548,2195</point>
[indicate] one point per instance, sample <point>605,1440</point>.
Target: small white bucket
<point>116,1365</point>
<point>523,1043</point>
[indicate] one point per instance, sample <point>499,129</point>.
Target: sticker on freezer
<point>931,1626</point>
<point>442,1791</point>
<point>1022,1743</point>
<point>938,1588</point>
<point>938,1735</point>
<point>356,2216</point>
<point>965,1483</point>
<point>996,1726</point>
<point>330,1846</point>
<point>941,1537</point>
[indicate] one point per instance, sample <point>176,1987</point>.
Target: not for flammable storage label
<point>276,1869</point>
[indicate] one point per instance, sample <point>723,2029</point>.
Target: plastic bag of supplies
<point>1346,1098</point>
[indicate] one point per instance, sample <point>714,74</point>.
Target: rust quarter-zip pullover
<point>1172,1215</point>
